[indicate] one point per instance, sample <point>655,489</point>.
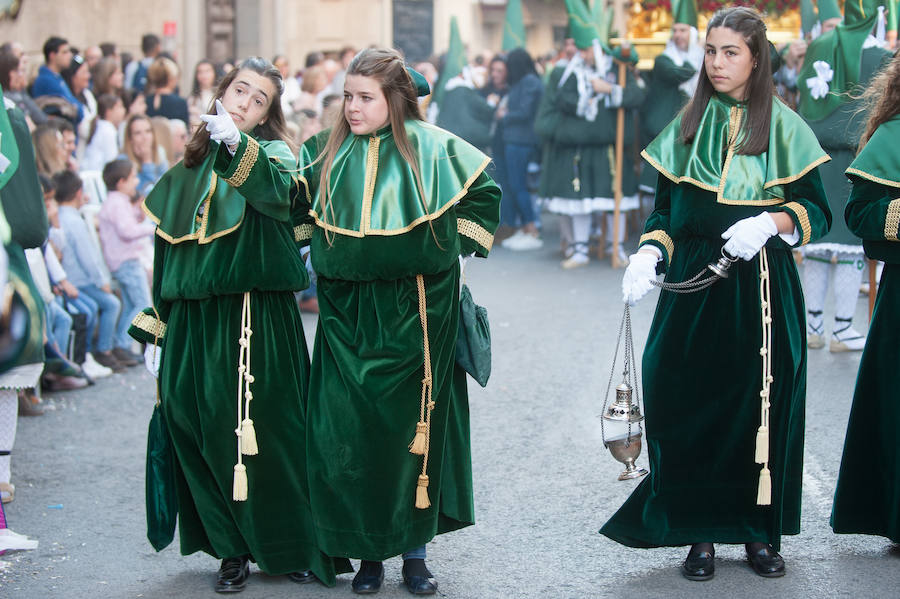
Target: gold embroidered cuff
<point>892,221</point>
<point>474,231</point>
<point>799,211</point>
<point>149,324</point>
<point>662,238</point>
<point>248,159</point>
<point>303,232</point>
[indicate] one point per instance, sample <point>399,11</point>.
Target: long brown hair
<point>882,98</point>
<point>754,136</point>
<point>274,127</point>
<point>127,145</point>
<point>386,66</point>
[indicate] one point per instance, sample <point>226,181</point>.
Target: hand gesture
<point>221,127</point>
<point>747,236</point>
<point>638,276</point>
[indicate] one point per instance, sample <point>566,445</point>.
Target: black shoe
<point>700,563</point>
<point>417,578</point>
<point>369,578</point>
<point>302,577</point>
<point>233,574</point>
<point>764,560</point>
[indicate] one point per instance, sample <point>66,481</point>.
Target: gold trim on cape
<point>303,232</point>
<point>870,177</point>
<point>474,231</point>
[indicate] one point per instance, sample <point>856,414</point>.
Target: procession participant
<point>738,165</point>
<point>672,81</point>
<point>395,202</point>
<point>577,122</point>
<point>838,64</point>
<point>866,500</point>
<point>226,267</point>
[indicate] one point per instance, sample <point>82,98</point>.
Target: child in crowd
<point>122,227</point>
<point>103,143</point>
<point>83,263</point>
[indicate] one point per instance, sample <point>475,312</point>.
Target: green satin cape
<point>393,205</point>
<point>879,161</point>
<point>741,179</point>
<point>187,218</point>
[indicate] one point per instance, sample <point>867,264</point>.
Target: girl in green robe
<point>725,367</point>
<point>867,499</point>
<point>394,202</point>
<point>234,366</point>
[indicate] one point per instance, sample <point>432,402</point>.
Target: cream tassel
<point>239,492</point>
<point>762,445</point>
<point>764,493</point>
<point>248,438</point>
<point>418,443</point>
<point>422,501</point>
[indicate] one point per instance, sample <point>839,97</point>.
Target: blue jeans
<point>108,307</point>
<point>82,305</point>
<point>132,280</point>
<point>517,158</point>
<point>59,325</point>
<point>417,553</point>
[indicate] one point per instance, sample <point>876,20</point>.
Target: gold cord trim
<point>764,491</point>
<point>422,219</point>
<point>150,325</point>
<point>422,440</point>
<point>248,159</point>
<point>303,232</point>
<point>792,178</point>
<point>245,431</point>
<point>662,237</point>
<point>365,218</point>
<point>873,178</point>
<point>734,128</point>
<point>799,210</point>
<point>675,179</point>
<point>892,220</point>
<point>474,231</point>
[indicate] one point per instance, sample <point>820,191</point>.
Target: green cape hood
<point>879,160</point>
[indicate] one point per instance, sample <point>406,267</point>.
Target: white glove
<point>638,276</point>
<point>152,354</point>
<point>221,127</point>
<point>747,236</point>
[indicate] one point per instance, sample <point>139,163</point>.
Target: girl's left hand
<point>747,236</point>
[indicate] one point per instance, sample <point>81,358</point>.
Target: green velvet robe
<point>370,244</point>
<point>867,498</point>
<point>702,374</point>
<point>225,228</point>
<point>575,149</point>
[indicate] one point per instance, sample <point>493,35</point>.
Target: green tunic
<point>373,244</point>
<point>702,363</point>
<point>578,164</point>
<point>224,229</point>
<point>867,498</point>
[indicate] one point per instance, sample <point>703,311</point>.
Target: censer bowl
<point>627,450</point>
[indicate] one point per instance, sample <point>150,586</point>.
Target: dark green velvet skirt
<point>702,377</point>
<point>867,499</point>
<point>198,387</point>
<point>365,393</point>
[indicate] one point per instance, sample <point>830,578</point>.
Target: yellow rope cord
<point>764,492</point>
<point>246,435</point>
<point>423,427</point>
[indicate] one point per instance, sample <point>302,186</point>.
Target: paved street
<point>544,483</point>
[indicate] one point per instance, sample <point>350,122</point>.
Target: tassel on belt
<point>764,491</point>
<point>421,441</point>
<point>245,432</point>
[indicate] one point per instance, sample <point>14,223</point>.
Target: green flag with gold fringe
<point>513,26</point>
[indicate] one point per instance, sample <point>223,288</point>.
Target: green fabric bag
<point>162,502</point>
<point>473,341</point>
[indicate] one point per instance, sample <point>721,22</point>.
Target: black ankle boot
<point>233,574</point>
<point>764,560</point>
<point>700,563</point>
<point>369,578</point>
<point>417,578</point>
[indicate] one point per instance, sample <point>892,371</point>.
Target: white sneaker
<point>847,340</point>
<point>511,240</point>
<point>526,242</point>
<point>93,369</point>
<point>10,540</point>
<point>575,261</point>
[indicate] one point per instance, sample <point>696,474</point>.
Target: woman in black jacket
<point>520,142</point>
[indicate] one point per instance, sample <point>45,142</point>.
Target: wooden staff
<point>620,150</point>
<point>873,268</point>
